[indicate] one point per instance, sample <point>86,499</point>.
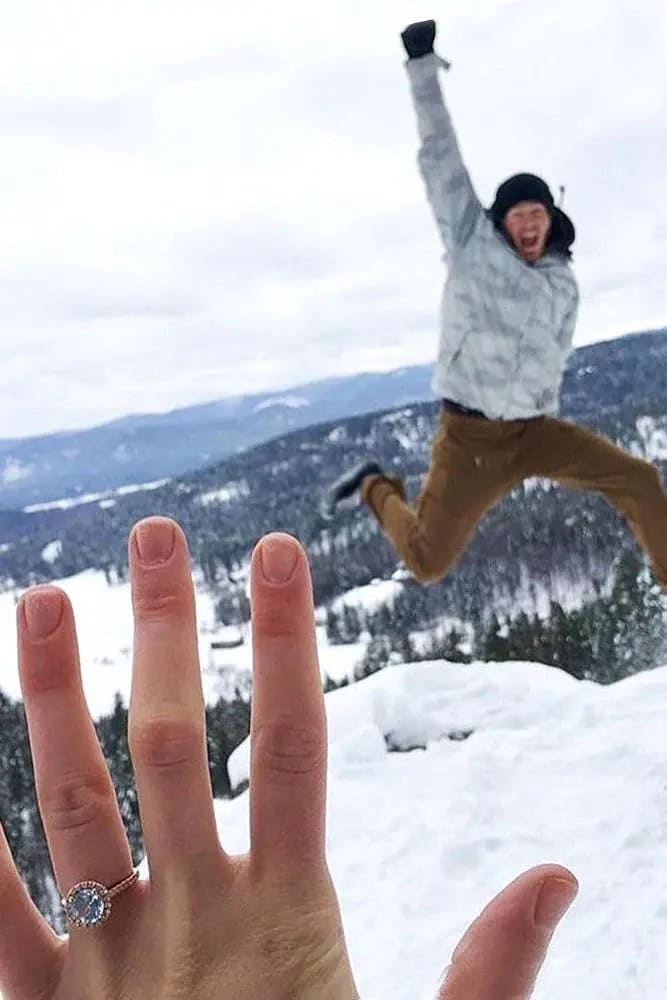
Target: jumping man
<point>509,311</point>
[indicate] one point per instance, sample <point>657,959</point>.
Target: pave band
<point>88,904</point>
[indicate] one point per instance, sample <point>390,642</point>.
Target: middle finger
<point>167,719</point>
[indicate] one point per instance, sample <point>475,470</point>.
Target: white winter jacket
<point>507,325</point>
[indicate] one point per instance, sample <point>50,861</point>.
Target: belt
<point>452,407</point>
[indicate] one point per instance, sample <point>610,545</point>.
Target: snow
<point>534,597</point>
<point>338,662</point>
<point>409,438</point>
<point>441,830</point>
<point>105,642</point>
<point>553,769</point>
<point>105,633</point>
<point>14,470</point>
<point>52,551</point>
<point>67,502</point>
<point>654,439</point>
<point>370,597</point>
<point>337,435</point>
<point>225,633</point>
<point>397,417</point>
<point>293,402</point>
<point>232,491</point>
<point>105,628</point>
<point>535,482</point>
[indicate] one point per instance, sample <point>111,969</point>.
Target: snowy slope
<point>105,628</point>
<point>554,770</point>
<point>653,434</point>
<point>292,402</point>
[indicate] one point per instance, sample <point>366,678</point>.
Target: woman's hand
<point>263,926</point>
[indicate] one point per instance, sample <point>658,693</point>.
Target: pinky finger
<point>30,952</point>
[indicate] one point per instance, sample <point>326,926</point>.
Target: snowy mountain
<point>541,543</point>
<point>292,402</point>
<point>149,447</point>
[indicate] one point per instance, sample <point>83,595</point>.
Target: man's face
<point>528,224</point>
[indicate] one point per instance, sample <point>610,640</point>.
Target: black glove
<point>418,39</point>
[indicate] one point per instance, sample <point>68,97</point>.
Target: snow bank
<point>553,770</point>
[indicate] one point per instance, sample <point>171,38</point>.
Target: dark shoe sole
<point>346,486</point>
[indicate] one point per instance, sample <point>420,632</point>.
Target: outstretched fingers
<point>502,952</point>
<point>288,728</point>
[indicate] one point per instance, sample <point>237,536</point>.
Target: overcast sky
<point>204,199</point>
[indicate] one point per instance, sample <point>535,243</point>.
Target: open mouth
<point>529,243</point>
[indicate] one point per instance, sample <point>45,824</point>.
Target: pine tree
<point>451,647</point>
<point>227,726</point>
<point>633,634</point>
<point>567,641</point>
<point>334,634</point>
<point>375,658</point>
<point>494,646</point>
<point>351,626</point>
<point>403,645</point>
<point>541,646</point>
<point>520,638</point>
<point>383,620</point>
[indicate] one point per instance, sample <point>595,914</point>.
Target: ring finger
<point>77,801</point>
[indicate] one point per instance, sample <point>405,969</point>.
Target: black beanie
<point>521,187</point>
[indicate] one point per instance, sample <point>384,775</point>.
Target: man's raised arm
<point>455,205</point>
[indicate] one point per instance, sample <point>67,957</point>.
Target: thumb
<point>502,952</point>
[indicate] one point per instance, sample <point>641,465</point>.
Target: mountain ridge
<point>148,447</point>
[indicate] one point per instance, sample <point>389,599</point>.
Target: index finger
<point>288,724</point>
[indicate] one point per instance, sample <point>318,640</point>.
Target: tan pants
<point>475,463</point>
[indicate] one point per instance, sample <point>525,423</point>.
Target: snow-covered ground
<point>105,498</point>
<point>369,598</point>
<point>553,770</point>
<point>105,627</point>
<point>653,433</point>
<point>291,402</point>
<point>227,493</point>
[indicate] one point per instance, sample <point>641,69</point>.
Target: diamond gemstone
<point>86,906</point>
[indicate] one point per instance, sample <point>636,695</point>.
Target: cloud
<point>71,121</point>
<point>225,199</point>
<point>260,250</point>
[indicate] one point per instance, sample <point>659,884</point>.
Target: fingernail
<point>155,541</point>
<point>279,555</point>
<point>555,898</point>
<point>43,612</point>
